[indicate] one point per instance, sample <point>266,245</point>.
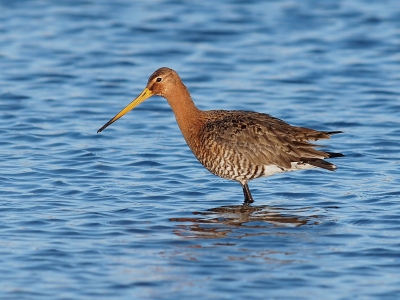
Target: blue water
<point>130,213</point>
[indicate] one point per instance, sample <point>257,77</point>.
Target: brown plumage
<point>236,145</point>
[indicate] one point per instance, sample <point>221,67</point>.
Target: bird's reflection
<point>221,221</point>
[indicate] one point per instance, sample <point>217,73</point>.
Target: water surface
<point>130,213</point>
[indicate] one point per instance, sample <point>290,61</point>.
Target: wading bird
<point>234,144</point>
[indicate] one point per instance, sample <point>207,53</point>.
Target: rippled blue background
<point>130,213</point>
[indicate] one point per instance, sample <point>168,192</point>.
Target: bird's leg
<point>247,195</point>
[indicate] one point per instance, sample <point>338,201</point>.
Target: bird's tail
<point>332,132</point>
<point>334,154</point>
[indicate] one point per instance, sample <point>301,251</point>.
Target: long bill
<point>139,99</point>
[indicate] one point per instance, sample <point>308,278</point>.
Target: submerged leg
<point>247,195</point>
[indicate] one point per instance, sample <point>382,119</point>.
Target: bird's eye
<point>159,79</point>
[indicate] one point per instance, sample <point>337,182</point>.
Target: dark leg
<point>247,195</point>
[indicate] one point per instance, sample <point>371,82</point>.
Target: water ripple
<point>129,213</point>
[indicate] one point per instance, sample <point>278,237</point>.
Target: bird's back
<point>243,145</point>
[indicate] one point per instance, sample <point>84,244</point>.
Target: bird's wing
<point>262,139</point>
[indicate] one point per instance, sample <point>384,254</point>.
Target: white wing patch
<point>272,169</point>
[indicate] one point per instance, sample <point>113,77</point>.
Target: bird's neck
<point>188,116</point>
